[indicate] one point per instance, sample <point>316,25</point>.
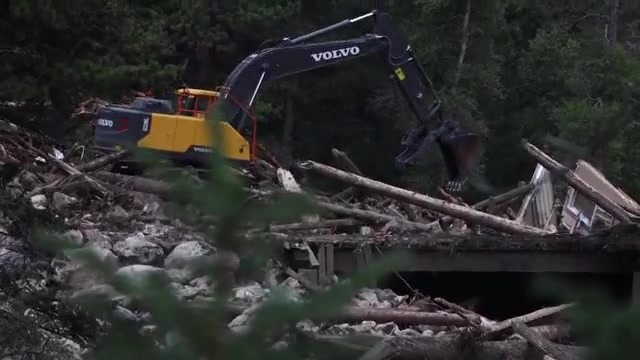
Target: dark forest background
<point>564,73</point>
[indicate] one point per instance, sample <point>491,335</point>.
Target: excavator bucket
<point>460,151</point>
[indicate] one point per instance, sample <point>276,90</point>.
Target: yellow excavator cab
<point>195,102</point>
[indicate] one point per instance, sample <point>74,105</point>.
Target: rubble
<point>123,220</point>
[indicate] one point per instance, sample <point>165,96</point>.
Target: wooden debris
<point>506,326</point>
<point>546,346</point>
<point>312,226</point>
<point>577,183</point>
<point>89,166</point>
<point>442,206</point>
<point>374,217</point>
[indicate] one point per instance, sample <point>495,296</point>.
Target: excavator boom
<point>293,56</point>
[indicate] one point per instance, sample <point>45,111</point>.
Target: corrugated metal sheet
<point>537,207</point>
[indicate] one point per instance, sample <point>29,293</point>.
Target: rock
<point>11,260</point>
<point>202,281</point>
<point>340,329</point>
<point>427,332</point>
<point>250,293</point>
<point>148,329</point>
<point>383,305</point>
<point>385,294</point>
<point>293,289</point>
<point>240,323</point>
<point>39,202</point>
<point>369,295</point>
<point>151,208</point>
<point>75,237</point>
<point>307,326</point>
<point>125,314</point>
<point>365,327</point>
<point>97,238</point>
<point>366,230</point>
<point>135,249</point>
<point>61,201</point>
<point>408,332</point>
<point>29,180</point>
<point>105,255</point>
<point>118,214</point>
<point>186,292</point>
<point>102,290</point>
<point>185,253</point>
<point>180,276</point>
<point>78,277</point>
<point>138,272</point>
<point>387,328</point>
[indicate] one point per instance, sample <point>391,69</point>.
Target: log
<point>473,318</point>
<point>497,199</point>
<point>135,183</point>
<point>577,183</point>
<point>73,171</point>
<point>103,160</point>
<point>348,165</point>
<point>375,217</point>
<point>454,210</point>
<point>312,226</point>
<point>455,348</point>
<point>506,326</point>
<point>489,202</point>
<point>540,342</point>
<point>301,279</point>
<point>401,317</point>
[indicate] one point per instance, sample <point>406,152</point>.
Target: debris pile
<point>124,220</point>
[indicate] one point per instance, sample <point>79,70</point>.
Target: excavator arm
<point>296,55</point>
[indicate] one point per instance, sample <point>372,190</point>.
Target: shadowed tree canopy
<point>567,75</point>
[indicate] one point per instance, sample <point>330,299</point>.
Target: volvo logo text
<point>105,122</point>
<point>335,54</point>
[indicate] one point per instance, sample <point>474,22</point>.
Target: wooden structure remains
<point>611,251</point>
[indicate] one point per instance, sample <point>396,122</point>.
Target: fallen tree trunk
<point>400,317</point>
<point>577,183</point>
<point>505,327</point>
<point>103,160</point>
<point>346,164</point>
<point>494,200</point>
<point>497,199</point>
<point>536,339</point>
<point>442,206</point>
<point>454,348</point>
<point>135,183</point>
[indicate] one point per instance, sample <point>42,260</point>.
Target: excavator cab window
<point>194,105</point>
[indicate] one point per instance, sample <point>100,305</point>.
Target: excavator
<point>182,130</point>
